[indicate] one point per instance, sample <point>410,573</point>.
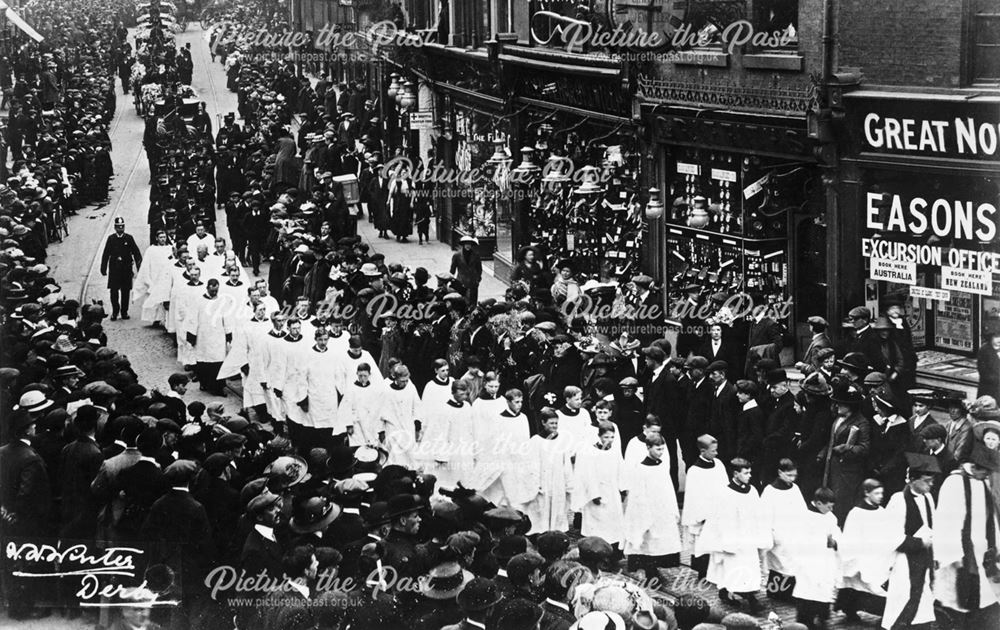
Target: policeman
<point>120,251</point>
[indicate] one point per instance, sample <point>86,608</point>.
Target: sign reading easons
<point>965,136</point>
<point>945,218</point>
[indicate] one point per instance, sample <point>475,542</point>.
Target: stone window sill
<point>784,61</point>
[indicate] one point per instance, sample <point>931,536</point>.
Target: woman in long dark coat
<point>286,170</point>
<point>400,209</point>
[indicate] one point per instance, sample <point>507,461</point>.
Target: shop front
<point>743,224</point>
<point>576,188</point>
<point>923,183</point>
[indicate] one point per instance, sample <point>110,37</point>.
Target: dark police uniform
<point>116,263</point>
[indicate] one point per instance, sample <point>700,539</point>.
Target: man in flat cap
<point>819,341</point>
<point>120,251</point>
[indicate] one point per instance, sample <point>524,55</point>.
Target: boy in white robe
<point>484,410</point>
<point>351,360</point>
<point>309,388</point>
<point>705,481</point>
<point>635,450</point>
<point>783,508</point>
<point>438,389</point>
<point>281,374</point>
<point>445,444</point>
<point>271,348</point>
<point>865,554</point>
<point>548,473</point>
<point>652,521</point>
<point>734,534</point>
<point>601,413</point>
<point>361,409</point>
<point>506,454</point>
<point>597,487</point>
<point>815,564</point>
<point>400,413</point>
<point>574,421</point>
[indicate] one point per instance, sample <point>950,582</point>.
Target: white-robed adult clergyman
<point>210,331</point>
<point>705,481</point>
<point>965,544</point>
<point>734,534</point>
<point>178,278</point>
<point>652,520</point>
<point>152,281</point>
<point>244,357</point>
<point>186,310</point>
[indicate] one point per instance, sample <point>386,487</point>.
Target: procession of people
<point>406,454</point>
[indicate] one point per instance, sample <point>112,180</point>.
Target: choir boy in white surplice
<point>505,454</point>
<point>548,471</point>
<point>574,420</point>
<point>866,554</point>
<point>602,412</point>
<point>152,282</point>
<point>734,534</point>
<point>361,409</point>
<point>784,507</point>
<point>281,374</point>
<point>444,446</point>
<point>484,410</point>
<point>273,344</point>
<point>636,449</point>
<point>815,562</point>
<point>400,413</point>
<point>652,520</point>
<point>340,341</point>
<point>597,487</point>
<point>438,389</point>
<point>309,388</point>
<point>352,360</point>
<point>705,481</point>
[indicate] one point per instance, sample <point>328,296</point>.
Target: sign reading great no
<point>928,126</point>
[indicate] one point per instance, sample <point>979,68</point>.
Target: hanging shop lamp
<point>654,207</point>
<point>393,88</point>
<point>589,178</point>
<point>527,167</point>
<point>499,153</point>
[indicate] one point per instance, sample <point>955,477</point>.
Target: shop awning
<point>16,19</point>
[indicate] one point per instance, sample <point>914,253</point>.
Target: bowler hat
<point>854,361</point>
<point>922,463</point>
<point>594,549</point>
<point>403,504</point>
<point>479,594</point>
<point>849,395</point>
<point>552,544</point>
<point>717,366</point>
<point>777,375</point>
<point>508,547</point>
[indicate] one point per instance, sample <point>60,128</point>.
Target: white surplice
<point>598,474</point>
<point>548,472</point>
<point>783,510</point>
<point>734,533</point>
<point>151,287</point>
<point>361,409</point>
<point>652,520</point>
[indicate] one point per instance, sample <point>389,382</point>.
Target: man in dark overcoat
<point>120,251</point>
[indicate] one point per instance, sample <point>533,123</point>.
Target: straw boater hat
<point>445,581</point>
